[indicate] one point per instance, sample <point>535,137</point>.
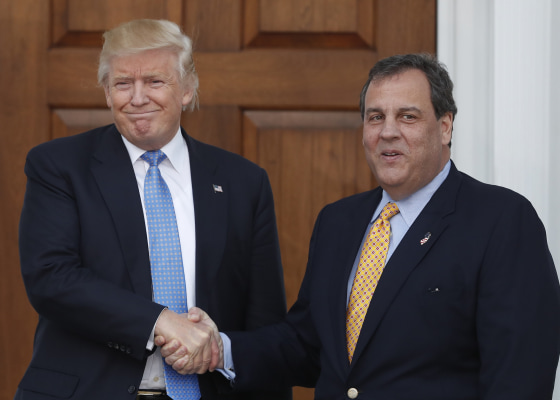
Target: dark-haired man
<point>432,286</point>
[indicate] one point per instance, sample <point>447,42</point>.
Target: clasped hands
<point>189,342</point>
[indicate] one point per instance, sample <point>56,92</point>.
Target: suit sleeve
<point>518,311</point>
<point>267,298</point>
<point>89,298</point>
<point>283,354</point>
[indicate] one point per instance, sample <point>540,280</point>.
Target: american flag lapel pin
<point>426,238</point>
<point>217,188</point>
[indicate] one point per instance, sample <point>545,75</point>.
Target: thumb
<point>195,314</point>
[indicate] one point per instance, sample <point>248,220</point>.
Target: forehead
<point>410,87</point>
<point>149,62</point>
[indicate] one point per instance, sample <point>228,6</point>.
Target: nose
<point>390,129</point>
<point>139,96</point>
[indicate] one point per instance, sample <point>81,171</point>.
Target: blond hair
<point>149,34</point>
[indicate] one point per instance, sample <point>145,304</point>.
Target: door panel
<point>313,158</point>
<point>279,84</point>
<point>309,23</point>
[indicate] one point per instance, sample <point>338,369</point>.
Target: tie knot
<point>390,210</point>
<point>153,157</point>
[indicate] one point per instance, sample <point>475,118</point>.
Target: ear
<point>108,96</point>
<point>187,97</point>
<point>446,124</point>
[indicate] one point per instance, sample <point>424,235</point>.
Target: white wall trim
<point>465,45</point>
<point>504,58</point>
<point>500,55</point>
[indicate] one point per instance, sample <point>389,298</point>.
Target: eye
<point>156,82</point>
<point>375,117</point>
<point>409,117</point>
<point>122,85</point>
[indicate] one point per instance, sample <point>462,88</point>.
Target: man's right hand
<point>190,342</point>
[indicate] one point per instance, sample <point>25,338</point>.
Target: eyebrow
<point>400,110</point>
<point>149,75</point>
<point>411,108</point>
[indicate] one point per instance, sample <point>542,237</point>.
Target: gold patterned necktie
<point>370,267</point>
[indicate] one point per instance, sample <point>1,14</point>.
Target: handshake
<point>190,342</point>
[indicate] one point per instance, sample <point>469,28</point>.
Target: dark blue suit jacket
<point>471,314</point>
<point>86,268</point>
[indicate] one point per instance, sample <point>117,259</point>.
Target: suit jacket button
<point>352,393</point>
<point>132,389</point>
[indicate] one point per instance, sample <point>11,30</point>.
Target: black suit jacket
<point>471,314</point>
<point>85,262</point>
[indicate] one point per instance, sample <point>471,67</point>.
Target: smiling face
<point>405,145</point>
<point>146,97</point>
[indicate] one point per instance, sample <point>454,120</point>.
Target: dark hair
<point>440,84</point>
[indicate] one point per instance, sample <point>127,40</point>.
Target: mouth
<point>140,113</point>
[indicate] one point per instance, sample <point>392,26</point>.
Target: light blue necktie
<point>168,276</point>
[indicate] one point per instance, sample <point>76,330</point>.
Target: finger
<point>171,347</point>
<point>181,365</point>
<point>202,359</point>
<point>202,369</point>
<point>172,357</point>
<point>188,365</point>
<point>159,340</point>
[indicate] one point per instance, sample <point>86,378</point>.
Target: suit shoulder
<point>481,192</point>
<point>72,145</point>
<point>475,198</point>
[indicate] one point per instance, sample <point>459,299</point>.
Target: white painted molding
<point>465,45</point>
<point>522,99</point>
<point>504,58</point>
<point>500,55</point>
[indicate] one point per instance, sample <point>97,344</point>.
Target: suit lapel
<point>409,254</point>
<point>114,174</point>
<point>354,226</point>
<point>210,196</point>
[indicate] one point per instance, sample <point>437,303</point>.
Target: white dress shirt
<point>176,172</point>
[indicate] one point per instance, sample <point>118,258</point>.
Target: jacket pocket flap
<point>52,383</point>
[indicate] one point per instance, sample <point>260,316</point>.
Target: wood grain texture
<point>24,122</point>
<point>309,24</point>
<point>82,22</point>
<point>205,18</point>
<point>313,158</point>
<point>308,15</point>
<point>405,26</point>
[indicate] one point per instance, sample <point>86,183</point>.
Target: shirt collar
<point>413,205</point>
<point>173,150</point>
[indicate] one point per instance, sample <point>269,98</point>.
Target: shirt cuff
<point>229,370</point>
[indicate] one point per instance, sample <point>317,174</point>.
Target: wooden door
<point>279,84</point>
